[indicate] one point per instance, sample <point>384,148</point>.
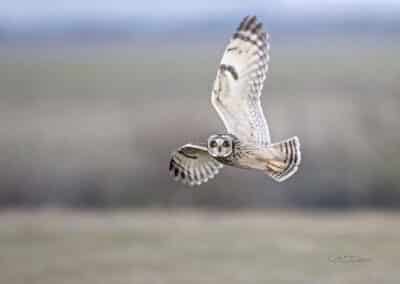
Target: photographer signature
<point>348,259</point>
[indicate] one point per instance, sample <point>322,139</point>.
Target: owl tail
<point>286,161</point>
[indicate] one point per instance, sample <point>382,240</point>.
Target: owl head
<point>220,145</point>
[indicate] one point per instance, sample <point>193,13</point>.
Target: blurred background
<point>95,95</point>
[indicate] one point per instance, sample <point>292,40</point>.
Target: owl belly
<point>243,161</point>
<point>252,157</point>
<point>250,161</point>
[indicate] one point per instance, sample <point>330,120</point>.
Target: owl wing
<point>193,165</point>
<point>238,86</point>
<point>279,160</point>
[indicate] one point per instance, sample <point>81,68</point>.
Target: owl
<point>236,98</point>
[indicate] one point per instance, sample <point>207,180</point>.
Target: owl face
<point>220,145</point>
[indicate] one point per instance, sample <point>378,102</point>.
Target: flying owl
<point>236,97</point>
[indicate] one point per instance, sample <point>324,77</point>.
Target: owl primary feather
<point>236,98</point>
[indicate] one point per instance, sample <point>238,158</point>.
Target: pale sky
<point>20,10</point>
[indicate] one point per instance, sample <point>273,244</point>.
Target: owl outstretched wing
<point>193,165</point>
<point>279,160</point>
<point>240,78</point>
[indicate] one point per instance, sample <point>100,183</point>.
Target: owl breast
<point>238,156</point>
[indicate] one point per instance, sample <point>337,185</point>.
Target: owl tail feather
<point>286,161</point>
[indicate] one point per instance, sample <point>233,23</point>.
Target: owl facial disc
<point>220,145</point>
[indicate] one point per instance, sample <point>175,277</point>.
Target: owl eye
<point>213,144</point>
<point>225,144</point>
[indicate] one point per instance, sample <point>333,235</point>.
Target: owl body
<point>243,154</point>
<point>233,146</point>
<point>233,152</point>
<point>236,98</point>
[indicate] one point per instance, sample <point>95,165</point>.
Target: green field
<point>173,247</point>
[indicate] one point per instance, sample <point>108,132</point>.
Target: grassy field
<point>173,247</point>
<point>96,126</point>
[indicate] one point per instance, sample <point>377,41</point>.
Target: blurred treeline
<point>94,125</point>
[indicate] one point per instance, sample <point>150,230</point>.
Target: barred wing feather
<point>238,86</point>
<point>192,165</point>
